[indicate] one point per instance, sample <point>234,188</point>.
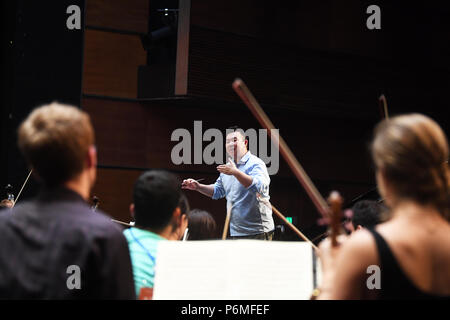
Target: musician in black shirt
<point>55,247</point>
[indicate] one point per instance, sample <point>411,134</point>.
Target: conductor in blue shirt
<point>244,182</point>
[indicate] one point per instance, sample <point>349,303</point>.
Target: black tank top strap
<point>394,283</point>
<point>387,259</point>
<point>391,276</point>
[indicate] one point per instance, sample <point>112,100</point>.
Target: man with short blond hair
<point>60,133</point>
<point>57,247</point>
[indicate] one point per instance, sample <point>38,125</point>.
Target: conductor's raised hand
<point>228,169</point>
<point>190,184</point>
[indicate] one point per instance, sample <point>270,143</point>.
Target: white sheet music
<point>233,270</point>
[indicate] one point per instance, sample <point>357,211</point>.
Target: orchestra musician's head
<point>410,153</point>
<point>366,214</point>
<point>236,144</point>
<point>202,225</point>
<point>159,205</point>
<point>57,141</point>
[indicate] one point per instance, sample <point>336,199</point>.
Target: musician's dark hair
<point>183,204</point>
<point>367,213</point>
<point>201,225</point>
<point>156,194</point>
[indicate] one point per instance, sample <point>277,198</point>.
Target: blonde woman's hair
<point>412,151</point>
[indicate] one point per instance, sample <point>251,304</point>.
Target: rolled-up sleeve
<point>219,190</point>
<point>261,179</point>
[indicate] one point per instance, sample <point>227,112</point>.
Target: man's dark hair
<point>366,213</point>
<point>202,225</point>
<point>156,195</point>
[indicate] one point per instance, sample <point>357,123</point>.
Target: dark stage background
<point>315,67</point>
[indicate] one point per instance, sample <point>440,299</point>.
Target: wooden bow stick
<point>282,217</point>
<point>383,106</point>
<point>122,223</point>
<point>247,97</point>
<point>227,223</point>
<point>244,93</point>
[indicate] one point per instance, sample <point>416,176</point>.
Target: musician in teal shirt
<point>142,245</point>
<point>160,212</point>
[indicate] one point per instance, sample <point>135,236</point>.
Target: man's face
<point>235,145</point>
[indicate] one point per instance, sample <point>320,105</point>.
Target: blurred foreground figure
<point>407,257</point>
<point>54,247</point>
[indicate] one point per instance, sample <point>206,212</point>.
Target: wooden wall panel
<point>120,129</point>
<point>114,188</point>
<point>111,63</point>
<point>138,134</point>
<point>128,15</point>
<point>327,26</point>
<point>281,75</point>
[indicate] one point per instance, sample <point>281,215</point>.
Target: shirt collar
<point>59,193</point>
<point>146,233</point>
<point>245,158</point>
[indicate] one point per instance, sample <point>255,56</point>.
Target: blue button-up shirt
<point>249,215</point>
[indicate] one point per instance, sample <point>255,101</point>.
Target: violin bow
<point>227,223</point>
<point>289,224</point>
<point>122,223</point>
<point>248,98</point>
<point>383,107</point>
<point>250,101</point>
<point>186,234</point>
<point>23,185</point>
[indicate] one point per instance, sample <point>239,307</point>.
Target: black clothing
<point>42,238</point>
<point>394,283</point>
<point>260,236</point>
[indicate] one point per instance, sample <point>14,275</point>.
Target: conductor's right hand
<point>190,184</point>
